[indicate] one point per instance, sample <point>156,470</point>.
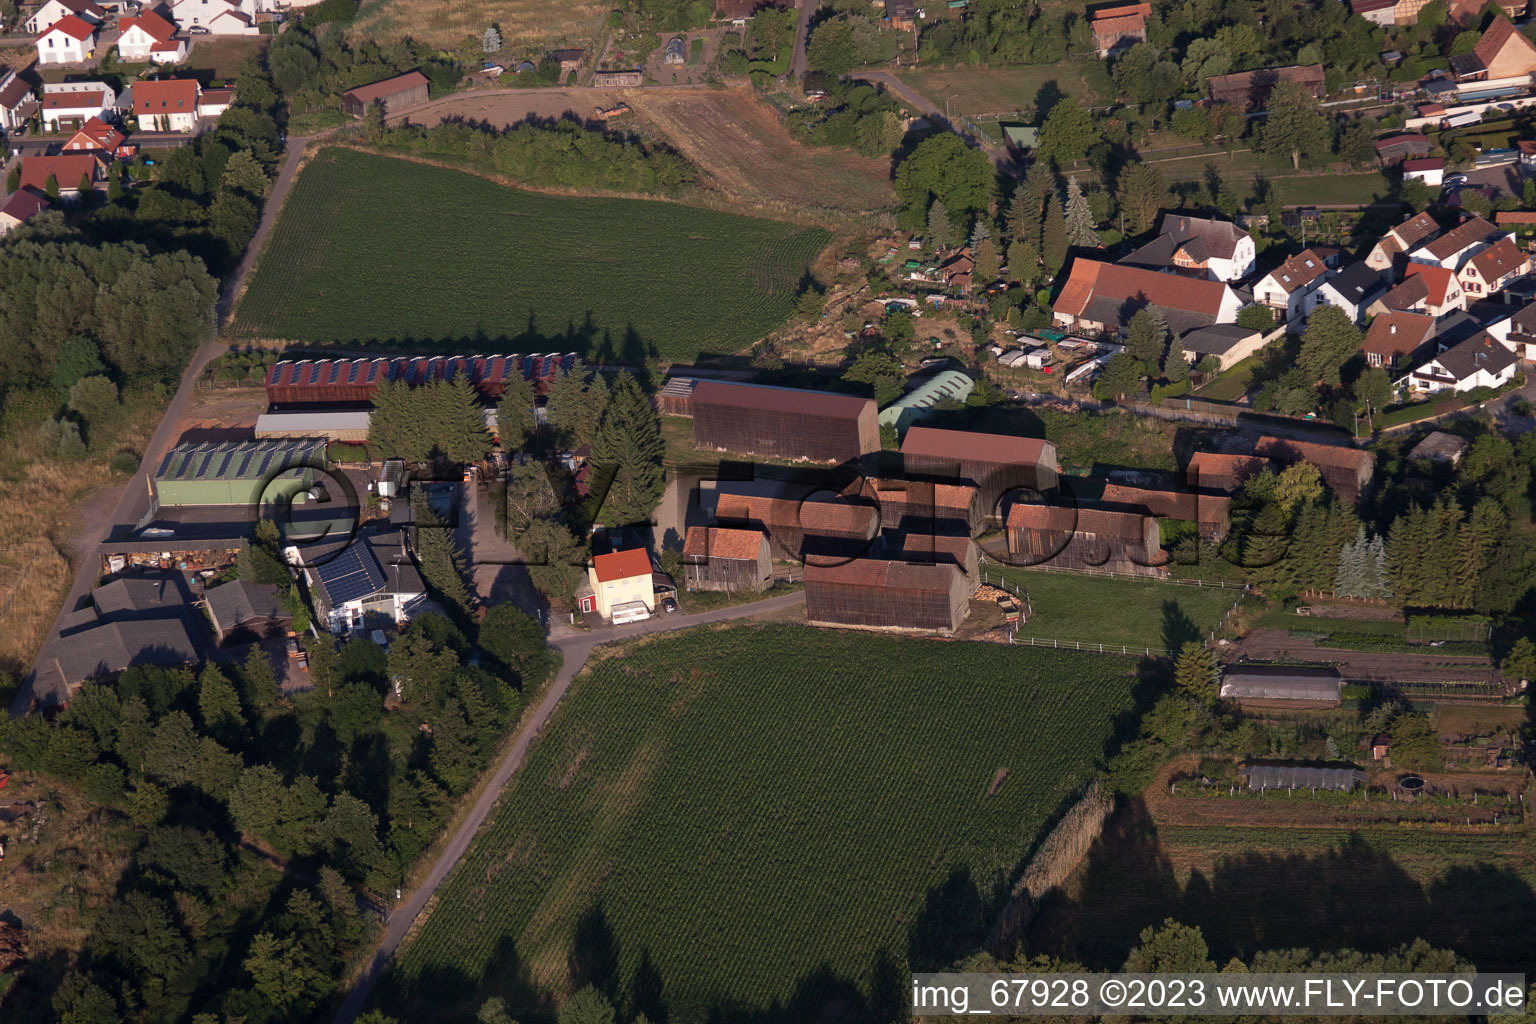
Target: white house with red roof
<point>1452,249</point>
<point>68,105</point>
<point>16,101</point>
<point>70,40</point>
<point>149,37</point>
<point>619,587</point>
<point>1434,291</point>
<point>1478,362</point>
<point>220,17</point>
<point>51,12</point>
<point>169,105</point>
<point>1491,270</point>
<point>67,171</point>
<point>1291,289</point>
<point>1102,297</point>
<point>96,136</point>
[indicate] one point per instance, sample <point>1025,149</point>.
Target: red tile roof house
<point>1119,28</point>
<point>70,40</point>
<point>1501,53</point>
<point>1396,340</point>
<point>1429,169</point>
<point>619,586</point>
<point>66,170</point>
<point>1491,271</point>
<point>21,206</point>
<point>1434,291</point>
<point>1102,297</point>
<point>1347,471</point>
<point>149,37</point>
<point>1461,243</point>
<point>167,106</point>
<point>96,136</point>
<point>1397,242</point>
<point>1291,288</point>
<point>65,109</point>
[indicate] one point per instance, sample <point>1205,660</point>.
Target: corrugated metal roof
<point>415,369</point>
<point>238,460</point>
<point>1296,776</point>
<point>776,399</point>
<point>969,446</point>
<point>319,422</point>
<point>949,384</point>
<point>1279,682</point>
<point>878,572</point>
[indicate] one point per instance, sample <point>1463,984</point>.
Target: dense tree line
<point>440,420</point>
<point>345,792</point>
<point>853,116</point>
<point>312,70</point>
<point>558,153</point>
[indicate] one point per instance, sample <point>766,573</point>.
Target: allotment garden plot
<point>752,816</point>
<point>374,251</point>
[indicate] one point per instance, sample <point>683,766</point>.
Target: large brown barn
<point>1249,90</point>
<point>1085,538</point>
<point>882,594</point>
<point>1209,512</point>
<point>993,463</point>
<point>393,94</point>
<point>813,529</point>
<point>927,507</point>
<point>928,549</point>
<point>716,558</point>
<point>783,423</point>
<point>1346,471</point>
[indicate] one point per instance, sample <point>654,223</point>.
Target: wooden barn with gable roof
<point>880,594</point>
<point>1085,538</point>
<point>719,558</point>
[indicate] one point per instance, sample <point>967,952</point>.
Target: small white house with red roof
<point>68,105</point>
<point>51,12</point>
<point>619,587</point>
<point>149,37</point>
<point>220,17</point>
<point>70,40</point>
<point>96,136</point>
<point>1291,289</point>
<point>167,106</point>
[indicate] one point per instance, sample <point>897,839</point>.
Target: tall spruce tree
<point>1145,338</point>
<point>515,422</point>
<point>460,422</point>
<point>1351,578</point>
<point>441,567</point>
<point>1081,230</point>
<point>941,228</point>
<point>1053,241</point>
<point>1376,570</point>
<point>575,405</point>
<point>394,431</point>
<point>628,453</point>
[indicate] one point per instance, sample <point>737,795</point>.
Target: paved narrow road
<point>42,685</point>
<point>575,648</point>
<point>807,11</point>
<point>999,155</point>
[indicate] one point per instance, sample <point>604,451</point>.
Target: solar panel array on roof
<point>352,574</point>
<point>236,460</point>
<point>1288,776</point>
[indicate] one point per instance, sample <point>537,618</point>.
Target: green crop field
<point>374,251</point>
<point>763,817</point>
<point>1096,609</point>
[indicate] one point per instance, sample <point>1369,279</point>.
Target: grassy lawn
<point>374,251</point>
<point>1333,189</point>
<point>776,819</point>
<point>221,56</point>
<point>1231,384</point>
<point>994,90</point>
<point>1096,609</point>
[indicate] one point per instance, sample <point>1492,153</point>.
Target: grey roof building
<point>1298,776</point>
<point>241,605</point>
<point>1280,682</point>
<point>132,621</point>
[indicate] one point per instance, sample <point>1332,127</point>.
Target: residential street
<point>575,646</point>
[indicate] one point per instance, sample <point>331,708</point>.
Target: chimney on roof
<point>1392,328</point>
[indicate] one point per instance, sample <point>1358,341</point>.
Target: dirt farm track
<point>740,143</point>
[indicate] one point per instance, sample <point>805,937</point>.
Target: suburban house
<point>1118,28</point>
<point>1229,344</point>
<point>1291,288</point>
<point>783,423</point>
<point>149,37</point>
<point>1085,538</point>
<point>619,587</point>
<point>96,136</point>
<point>212,103</point>
<point>1249,90</point>
<point>21,206</point>
<point>1353,289</point>
<point>1459,244</point>
<point>15,101</point>
<point>70,40</point>
<point>1406,236</point>
<point>1102,297</point>
<point>1502,53</point>
<point>69,105</point>
<point>219,17</point>
<point>1397,339</point>
<point>393,94</point>
<point>169,105</point>
<point>995,464</point>
<point>51,12</point>
<point>1491,270</point>
<point>1478,362</point>
<point>1521,335</point>
<point>1217,473</point>
<point>1197,247</point>
<point>1429,169</point>
<point>1395,149</point>
<point>1426,289</point>
<point>718,558</point>
<point>883,594</point>
<point>1347,471</point>
<point>371,582</point>
<point>242,610</point>
<point>67,171</point>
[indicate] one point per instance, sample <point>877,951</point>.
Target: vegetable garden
<point>375,251</point>
<point>764,816</point>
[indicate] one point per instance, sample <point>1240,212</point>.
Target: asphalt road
<point>575,648</point>
<point>802,38</point>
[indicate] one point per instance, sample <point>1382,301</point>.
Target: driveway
<point>807,11</point>
<point>575,647</point>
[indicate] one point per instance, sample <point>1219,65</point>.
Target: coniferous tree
<point>575,404</point>
<point>441,566</point>
<point>258,689</point>
<point>628,452</point>
<point>393,429</point>
<point>1026,213</point>
<point>218,704</point>
<point>1053,242</point>
<point>987,262</point>
<point>462,424</point>
<point>515,422</point>
<point>1145,338</point>
<point>1175,363</point>
<point>941,229</point>
<point>1351,578</point>
<point>1376,569</point>
<point>1081,230</point>
<point>1195,672</point>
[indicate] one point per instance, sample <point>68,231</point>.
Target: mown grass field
<point>1139,613</point>
<point>525,25</point>
<point>993,90</point>
<point>728,821</point>
<point>375,251</point>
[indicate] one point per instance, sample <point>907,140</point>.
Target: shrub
<point>125,463</point>
<point>348,452</point>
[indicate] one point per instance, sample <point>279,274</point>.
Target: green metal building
<point>248,473</point>
<point>919,402</point>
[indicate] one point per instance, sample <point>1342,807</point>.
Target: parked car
<point>668,605</point>
<point>1455,180</point>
